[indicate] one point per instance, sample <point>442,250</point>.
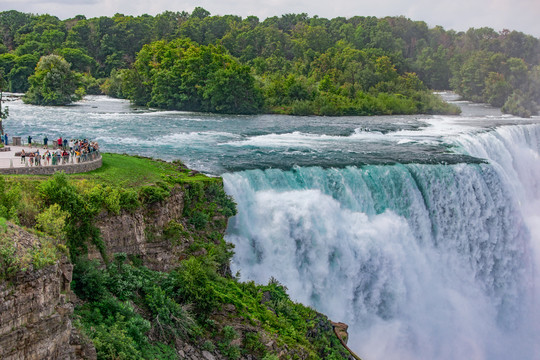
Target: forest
<point>293,64</point>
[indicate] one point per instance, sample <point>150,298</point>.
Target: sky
<point>459,15</point>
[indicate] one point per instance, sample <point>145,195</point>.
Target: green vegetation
<point>4,113</point>
<point>53,83</point>
<point>132,312</point>
<point>22,252</point>
<point>291,64</point>
<point>187,304</point>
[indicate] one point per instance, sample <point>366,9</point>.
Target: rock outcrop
<point>35,313</point>
<point>140,233</point>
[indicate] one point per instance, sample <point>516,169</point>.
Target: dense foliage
<point>131,312</point>
<point>53,83</point>
<point>288,64</point>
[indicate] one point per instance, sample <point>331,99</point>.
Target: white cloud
<point>458,14</point>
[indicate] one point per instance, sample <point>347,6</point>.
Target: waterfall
<point>422,261</point>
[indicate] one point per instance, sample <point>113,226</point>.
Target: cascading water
<point>423,261</point>
<point>392,224</point>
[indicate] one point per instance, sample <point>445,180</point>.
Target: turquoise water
<point>420,232</point>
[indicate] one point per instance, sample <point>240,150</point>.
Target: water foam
<point>423,261</point>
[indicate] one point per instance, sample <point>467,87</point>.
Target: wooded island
<point>293,64</point>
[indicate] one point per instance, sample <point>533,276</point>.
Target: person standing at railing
<point>23,157</point>
<point>37,158</point>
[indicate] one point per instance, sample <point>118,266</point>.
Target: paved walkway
<point>8,158</point>
<point>11,164</point>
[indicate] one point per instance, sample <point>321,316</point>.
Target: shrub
<point>52,221</point>
<point>199,219</point>
<point>9,200</point>
<point>173,231</point>
<point>9,261</point>
<point>225,346</point>
<point>129,200</point>
<point>172,320</point>
<point>113,342</point>
<point>88,280</point>
<point>193,283</point>
<point>152,194</point>
<point>45,254</point>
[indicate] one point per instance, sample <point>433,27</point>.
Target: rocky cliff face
<point>140,233</point>
<point>143,233</point>
<point>35,312</point>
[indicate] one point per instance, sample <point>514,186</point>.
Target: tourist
<point>29,141</point>
<point>65,156</point>
<point>37,158</point>
<point>23,157</point>
<point>45,141</point>
<point>47,157</point>
<point>6,139</point>
<point>65,143</point>
<point>59,142</point>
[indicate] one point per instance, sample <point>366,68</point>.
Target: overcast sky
<point>522,15</point>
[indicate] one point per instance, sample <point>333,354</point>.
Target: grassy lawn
<point>133,171</point>
<point>126,171</point>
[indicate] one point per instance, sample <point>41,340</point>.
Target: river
<point>420,232</point>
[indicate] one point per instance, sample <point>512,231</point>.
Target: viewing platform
<point>11,162</point>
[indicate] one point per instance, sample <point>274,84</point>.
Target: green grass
<point>134,172</point>
<point>127,171</point>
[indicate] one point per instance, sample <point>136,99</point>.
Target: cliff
<point>35,308</point>
<point>140,233</point>
<point>150,277</point>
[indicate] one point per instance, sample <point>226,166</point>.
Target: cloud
<point>458,14</point>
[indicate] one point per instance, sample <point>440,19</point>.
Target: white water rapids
<point>391,224</point>
<point>422,261</point>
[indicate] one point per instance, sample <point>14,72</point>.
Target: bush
<point>199,220</point>
<point>45,254</point>
<point>129,200</point>
<point>9,261</point>
<point>104,197</point>
<point>52,221</point>
<point>230,351</point>
<point>113,342</point>
<point>172,320</point>
<point>152,194</point>
<point>9,200</point>
<point>193,283</point>
<point>301,108</point>
<point>88,280</point>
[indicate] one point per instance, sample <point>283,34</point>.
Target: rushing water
<point>420,232</point>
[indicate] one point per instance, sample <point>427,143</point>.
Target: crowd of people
<point>63,151</point>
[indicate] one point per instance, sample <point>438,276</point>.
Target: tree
<point>54,83</point>
<point>3,112</point>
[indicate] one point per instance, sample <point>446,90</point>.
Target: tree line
<point>293,64</point>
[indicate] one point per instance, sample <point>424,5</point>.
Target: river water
<point>420,232</point>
